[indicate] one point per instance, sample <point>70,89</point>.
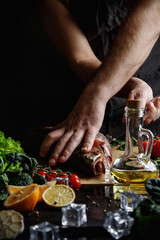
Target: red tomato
<point>74,181</point>
<point>50,178</point>
<point>42,173</point>
<point>156,148</point>
<point>53,173</point>
<point>63,175</point>
<point>144,145</point>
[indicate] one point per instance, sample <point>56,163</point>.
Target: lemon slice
<point>59,195</point>
<point>11,224</point>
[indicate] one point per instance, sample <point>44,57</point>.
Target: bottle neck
<point>134,121</point>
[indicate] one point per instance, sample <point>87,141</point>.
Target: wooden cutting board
<point>100,179</point>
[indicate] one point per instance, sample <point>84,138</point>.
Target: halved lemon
<point>43,187</point>
<point>59,195</point>
<point>12,188</point>
<point>24,199</point>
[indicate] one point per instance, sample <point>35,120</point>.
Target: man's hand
<point>153,111</point>
<point>83,123</point>
<point>141,90</point>
<point>136,88</point>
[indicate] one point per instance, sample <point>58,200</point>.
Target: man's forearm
<point>132,45</point>
<point>68,38</point>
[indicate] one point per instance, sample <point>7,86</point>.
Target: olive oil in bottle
<point>133,176</point>
<point>135,166</point>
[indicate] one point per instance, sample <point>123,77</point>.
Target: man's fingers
<point>88,141</point>
<point>72,143</point>
<point>151,113</point>
<point>49,140</point>
<point>157,104</point>
<point>59,147</point>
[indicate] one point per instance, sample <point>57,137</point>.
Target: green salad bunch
<point>16,168</point>
<point>147,213</point>
<point>9,145</point>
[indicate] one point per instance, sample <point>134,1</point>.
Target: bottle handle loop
<point>150,140</point>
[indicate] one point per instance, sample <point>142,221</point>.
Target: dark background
<point>34,91</point>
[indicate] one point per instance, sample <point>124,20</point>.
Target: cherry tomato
<point>53,173</point>
<point>74,181</point>
<point>62,182</point>
<point>63,175</point>
<point>144,145</point>
<point>42,172</point>
<point>156,148</point>
<point>50,178</point>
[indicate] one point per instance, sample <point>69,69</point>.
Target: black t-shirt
<point>100,20</point>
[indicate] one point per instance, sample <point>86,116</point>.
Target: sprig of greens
<point>16,167</point>
<point>119,143</point>
<point>147,213</point>
<point>157,162</point>
<point>9,145</point>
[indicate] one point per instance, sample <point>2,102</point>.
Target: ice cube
<point>44,231</point>
<point>118,223</point>
<point>130,200</point>
<point>74,215</point>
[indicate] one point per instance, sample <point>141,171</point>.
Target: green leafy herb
<point>3,183</point>
<point>39,179</point>
<point>9,145</point>
<point>157,162</point>
<point>153,188</point>
<point>3,193</point>
<point>119,143</point>
<point>4,179</point>
<point>16,167</point>
<point>22,179</point>
<point>147,213</point>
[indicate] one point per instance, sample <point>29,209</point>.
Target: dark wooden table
<point>93,196</point>
<point>97,205</point>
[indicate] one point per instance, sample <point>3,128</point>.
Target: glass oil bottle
<point>135,166</point>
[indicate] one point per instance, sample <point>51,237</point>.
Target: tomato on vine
<point>42,172</point>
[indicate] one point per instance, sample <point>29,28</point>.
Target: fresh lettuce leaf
<point>9,145</point>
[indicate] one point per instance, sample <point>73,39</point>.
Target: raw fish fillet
<point>95,161</point>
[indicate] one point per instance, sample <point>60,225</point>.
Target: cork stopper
<point>134,103</point>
